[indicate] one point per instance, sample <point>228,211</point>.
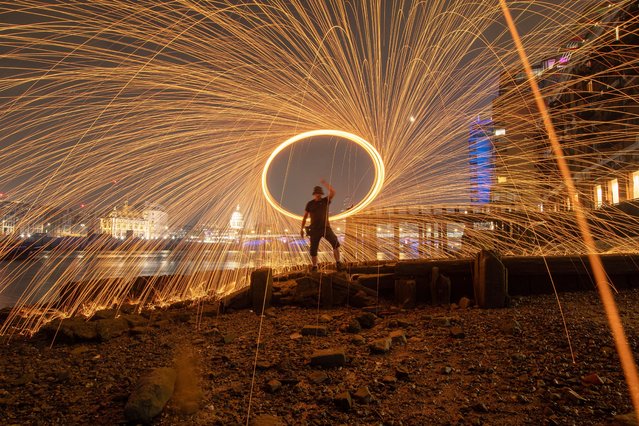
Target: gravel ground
<point>457,366</point>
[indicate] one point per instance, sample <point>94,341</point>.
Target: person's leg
<point>332,238</point>
<point>315,240</point>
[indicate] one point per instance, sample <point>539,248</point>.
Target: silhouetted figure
<point>317,209</point>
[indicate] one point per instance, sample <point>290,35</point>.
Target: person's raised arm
<point>331,190</point>
<point>304,223</point>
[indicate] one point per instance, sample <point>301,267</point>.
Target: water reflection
<point>18,276</point>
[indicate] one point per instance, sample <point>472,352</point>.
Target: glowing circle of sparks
<point>376,187</point>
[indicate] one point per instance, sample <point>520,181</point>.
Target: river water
<point>19,277</point>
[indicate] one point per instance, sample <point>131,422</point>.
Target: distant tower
<point>237,219</point>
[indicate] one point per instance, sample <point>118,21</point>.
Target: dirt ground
<point>473,366</point>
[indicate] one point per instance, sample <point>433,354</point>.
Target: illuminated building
<point>237,220</point>
<point>590,89</point>
<point>156,219</point>
<point>150,223</point>
<point>481,161</point>
<point>17,219</point>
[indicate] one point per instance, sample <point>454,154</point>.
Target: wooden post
<point>405,293</point>
<point>396,241</point>
<point>261,289</point>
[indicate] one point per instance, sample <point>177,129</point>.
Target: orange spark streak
<point>621,342</point>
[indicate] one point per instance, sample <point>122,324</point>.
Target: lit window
<point>590,85</point>
<point>598,196</point>
<point>541,207</point>
<point>501,179</point>
<point>617,33</point>
<point>635,184</point>
<point>613,188</point>
<point>500,132</point>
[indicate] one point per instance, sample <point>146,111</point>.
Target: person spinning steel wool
<point>317,209</point>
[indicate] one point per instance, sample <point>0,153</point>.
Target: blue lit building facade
<point>480,149</point>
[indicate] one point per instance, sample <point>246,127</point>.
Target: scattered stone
<point>367,319</point>
<point>318,377</point>
<point>363,395</point>
<point>398,337</point>
<point>74,329</point>
<point>107,329</point>
<point>270,312</point>
<point>343,401</point>
<point>441,321</point>
<point>264,365</point>
<point>380,346</point>
<point>464,303</point>
<point>266,420</point>
<point>402,323</point>
<point>150,395</point>
<point>574,396</point>
<point>296,336</point>
<point>325,318</point>
<point>329,358</point>
<point>457,332</point>
<point>518,357</point>
<point>24,379</point>
<point>315,330</point>
<point>480,408</point>
<point>135,320</point>
<point>592,379</point>
<point>402,373</point>
<point>354,326</point>
<point>628,419</point>
<point>273,385</point>
<point>510,327</point>
<point>358,340</point>
<point>389,379</point>
<point>140,331</point>
<point>446,370</point>
<point>229,338</point>
<point>289,381</point>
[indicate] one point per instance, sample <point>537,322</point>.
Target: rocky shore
<point>377,365</point>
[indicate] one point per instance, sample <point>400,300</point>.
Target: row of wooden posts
<point>489,280</point>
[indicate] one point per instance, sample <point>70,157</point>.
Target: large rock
<point>367,320</point>
<point>329,358</point>
<point>363,395</point>
<point>381,346</point>
<point>398,337</point>
<point>344,401</point>
<point>150,395</point>
<point>314,330</point>
<point>110,328</point>
<point>74,329</point>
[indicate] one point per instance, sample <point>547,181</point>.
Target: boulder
<point>150,395</point>
<point>366,320</point>
<point>314,330</point>
<point>380,346</point>
<point>398,337</point>
<point>329,358</point>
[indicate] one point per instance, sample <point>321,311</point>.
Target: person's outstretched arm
<point>331,190</point>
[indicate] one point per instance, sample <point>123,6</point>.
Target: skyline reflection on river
<point>79,266</point>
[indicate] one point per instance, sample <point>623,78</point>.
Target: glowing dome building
<point>237,220</point>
